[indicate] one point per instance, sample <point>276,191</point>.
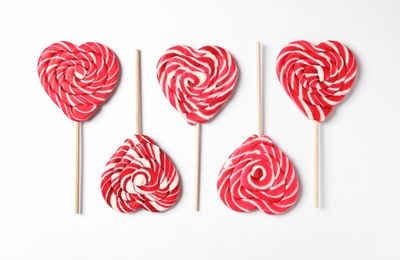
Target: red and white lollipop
<point>78,79</point>
<point>316,78</point>
<point>258,175</point>
<point>139,174</point>
<point>197,83</point>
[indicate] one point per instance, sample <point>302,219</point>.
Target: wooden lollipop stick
<point>316,163</point>
<point>259,102</point>
<point>138,95</point>
<point>78,166</point>
<point>197,169</point>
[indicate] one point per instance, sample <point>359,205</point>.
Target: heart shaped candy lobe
<point>318,77</point>
<point>197,82</point>
<point>140,175</point>
<point>258,175</point>
<point>78,79</point>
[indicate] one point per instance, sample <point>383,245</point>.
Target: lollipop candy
<point>258,175</point>
<point>78,80</point>
<point>197,84</point>
<point>139,174</point>
<point>316,79</point>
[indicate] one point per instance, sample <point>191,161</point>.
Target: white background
<point>359,213</point>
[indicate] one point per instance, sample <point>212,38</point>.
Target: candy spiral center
<point>258,174</point>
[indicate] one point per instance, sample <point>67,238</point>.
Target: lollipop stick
<point>138,96</point>
<point>197,170</point>
<point>316,163</point>
<point>259,106</point>
<point>77,169</point>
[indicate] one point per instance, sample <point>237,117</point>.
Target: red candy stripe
<point>197,82</point>
<point>140,175</point>
<point>316,78</point>
<point>78,79</point>
<point>258,175</point>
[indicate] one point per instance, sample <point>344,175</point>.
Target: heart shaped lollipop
<point>318,77</point>
<point>140,175</point>
<point>78,79</point>
<point>197,82</point>
<point>258,175</point>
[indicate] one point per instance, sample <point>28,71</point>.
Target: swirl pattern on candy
<point>78,79</point>
<point>318,77</point>
<point>140,175</point>
<point>258,175</point>
<point>197,82</point>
